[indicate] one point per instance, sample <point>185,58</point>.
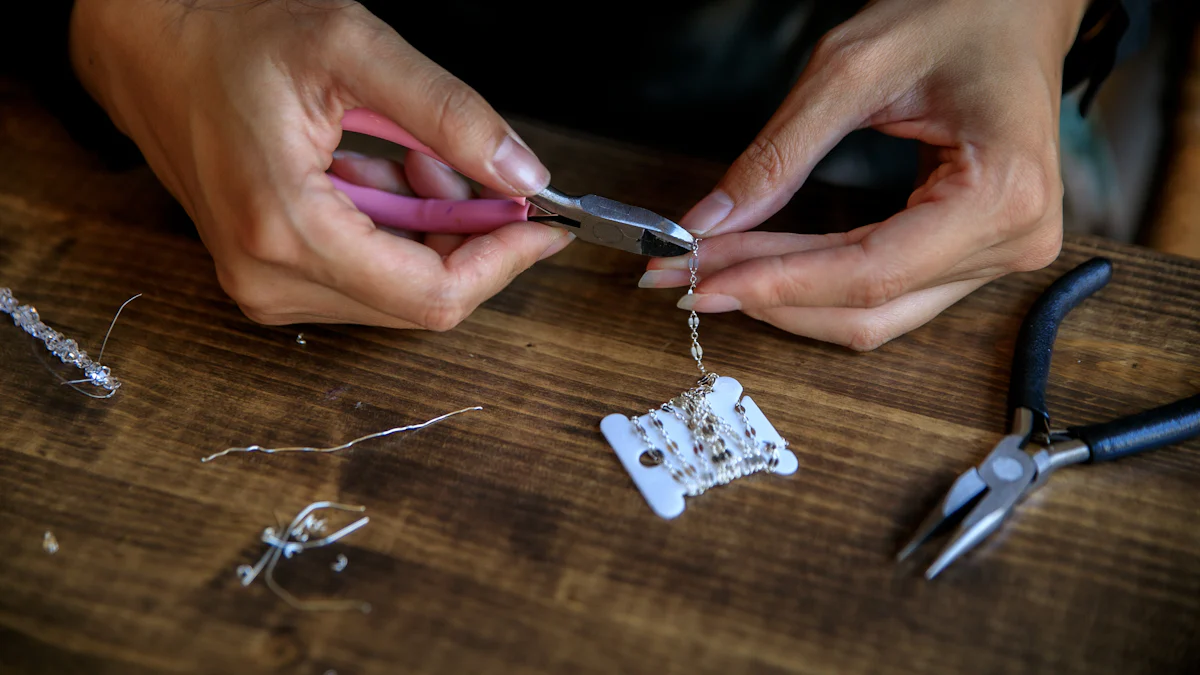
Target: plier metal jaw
<point>1023,460</point>
<point>604,221</point>
<point>1007,475</point>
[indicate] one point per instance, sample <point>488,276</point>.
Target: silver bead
<point>697,351</point>
<point>245,573</point>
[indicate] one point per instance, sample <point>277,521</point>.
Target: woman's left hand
<point>979,84</point>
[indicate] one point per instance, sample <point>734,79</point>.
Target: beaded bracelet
<point>65,349</point>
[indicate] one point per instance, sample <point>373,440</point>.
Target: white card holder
<point>662,492</point>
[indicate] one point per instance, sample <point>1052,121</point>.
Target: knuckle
<point>1030,192</point>
<point>880,286</point>
<point>250,296</point>
<point>329,32</point>
<point>351,23</point>
<point>870,335</point>
<point>788,289</point>
<point>767,161</point>
<point>342,25</point>
<point>473,277</point>
<point>492,266</point>
<point>444,312</point>
<point>263,318</point>
<point>844,56</point>
<point>266,240</point>
<point>459,107</point>
<point>1043,251</point>
<point>831,48</point>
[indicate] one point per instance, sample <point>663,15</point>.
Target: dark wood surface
<point>510,540</point>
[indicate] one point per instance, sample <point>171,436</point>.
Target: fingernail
<point>664,279</point>
<point>558,245</point>
<point>519,168</point>
<point>708,213</point>
<point>709,302</point>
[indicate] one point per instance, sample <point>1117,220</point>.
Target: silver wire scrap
<point>297,538</point>
<point>343,446</point>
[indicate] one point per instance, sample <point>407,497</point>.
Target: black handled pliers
<point>1023,460</point>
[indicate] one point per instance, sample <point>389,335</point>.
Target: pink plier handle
<point>469,216</point>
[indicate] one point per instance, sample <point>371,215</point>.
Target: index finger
<point>845,83</point>
<point>408,280</point>
<point>911,250</point>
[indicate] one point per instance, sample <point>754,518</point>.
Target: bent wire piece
<point>1005,476</point>
<point>297,538</point>
<point>343,446</point>
<point>100,376</point>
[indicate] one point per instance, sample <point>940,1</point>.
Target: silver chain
<point>712,437</point>
<point>694,319</point>
<point>676,465</point>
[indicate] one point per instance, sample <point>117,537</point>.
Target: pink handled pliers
<point>592,218</point>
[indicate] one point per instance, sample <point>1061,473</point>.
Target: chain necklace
<point>719,452</point>
<point>694,318</point>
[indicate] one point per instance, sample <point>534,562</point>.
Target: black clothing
<point>699,76</point>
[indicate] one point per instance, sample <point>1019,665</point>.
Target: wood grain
<point>510,540</point>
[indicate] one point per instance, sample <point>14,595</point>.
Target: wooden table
<point>510,540</point>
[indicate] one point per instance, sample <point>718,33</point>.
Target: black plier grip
<point>1155,428</point>
<point>1035,341</point>
<point>1148,430</point>
<point>1023,459</point>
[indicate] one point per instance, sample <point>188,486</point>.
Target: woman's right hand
<point>237,108</point>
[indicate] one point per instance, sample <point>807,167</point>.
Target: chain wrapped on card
<point>707,436</point>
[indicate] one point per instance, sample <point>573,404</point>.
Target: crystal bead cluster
<point>64,348</point>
